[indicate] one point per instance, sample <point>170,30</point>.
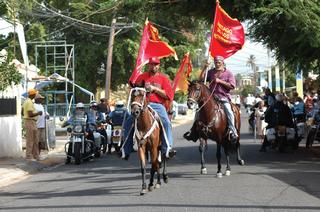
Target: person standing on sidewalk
<point>41,122</point>
<point>30,116</point>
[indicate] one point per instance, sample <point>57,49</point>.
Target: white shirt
<point>258,99</point>
<point>250,100</point>
<point>238,100</point>
<point>41,123</point>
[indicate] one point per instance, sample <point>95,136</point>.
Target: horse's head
<point>138,100</point>
<point>194,93</point>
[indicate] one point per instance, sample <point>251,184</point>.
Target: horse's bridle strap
<point>137,103</point>
<point>150,131</point>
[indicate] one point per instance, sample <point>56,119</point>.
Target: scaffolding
<point>57,57</point>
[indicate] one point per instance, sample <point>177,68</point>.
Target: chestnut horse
<point>147,134</point>
<point>211,123</point>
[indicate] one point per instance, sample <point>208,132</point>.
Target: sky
<point>5,27</point>
<point>237,63</point>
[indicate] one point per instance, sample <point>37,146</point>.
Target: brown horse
<point>211,123</point>
<point>147,134</point>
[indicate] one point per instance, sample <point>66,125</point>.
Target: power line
<point>84,25</point>
<point>88,27</point>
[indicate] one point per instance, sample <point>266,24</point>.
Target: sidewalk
<point>13,170</point>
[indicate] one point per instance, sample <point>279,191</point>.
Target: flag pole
<point>208,59</point>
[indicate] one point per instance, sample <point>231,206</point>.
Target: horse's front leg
<point>240,161</point>
<point>154,168</point>
<point>218,155</point>
<point>164,168</point>
<point>228,169</point>
<point>141,154</point>
<point>202,149</point>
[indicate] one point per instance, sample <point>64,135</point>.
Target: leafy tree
<point>8,72</point>
<point>289,27</point>
<point>248,89</point>
<point>252,63</point>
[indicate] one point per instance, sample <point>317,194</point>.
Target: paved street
<point>269,181</point>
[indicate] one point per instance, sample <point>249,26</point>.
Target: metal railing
<point>61,109</point>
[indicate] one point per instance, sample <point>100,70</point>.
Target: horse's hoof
<point>204,171</point>
<point>228,172</point>
<point>219,175</point>
<point>241,162</point>
<point>157,186</point>
<point>150,188</point>
<point>143,192</point>
<point>165,179</point>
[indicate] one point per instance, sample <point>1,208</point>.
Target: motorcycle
<point>313,135</point>
<point>96,138</point>
<point>300,127</point>
<point>115,138</point>
<point>78,147</point>
<point>282,137</point>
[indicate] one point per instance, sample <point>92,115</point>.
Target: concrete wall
<point>10,127</point>
<point>10,136</point>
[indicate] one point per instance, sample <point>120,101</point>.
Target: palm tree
<point>252,63</point>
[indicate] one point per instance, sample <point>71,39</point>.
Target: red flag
<point>150,46</point>
<point>180,80</point>
<point>227,34</point>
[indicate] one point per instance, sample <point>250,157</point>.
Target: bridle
<point>140,136</point>
<point>135,92</point>
<point>198,94</point>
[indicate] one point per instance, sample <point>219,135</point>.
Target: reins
<point>208,99</point>
<point>137,134</point>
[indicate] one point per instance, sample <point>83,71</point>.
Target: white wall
<point>10,127</point>
<point>10,136</point>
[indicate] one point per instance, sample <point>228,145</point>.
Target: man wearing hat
<point>30,116</point>
<point>160,90</point>
<point>222,81</point>
<point>41,122</point>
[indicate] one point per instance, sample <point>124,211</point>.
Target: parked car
<point>182,108</point>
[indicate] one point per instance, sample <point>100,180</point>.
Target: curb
<point>14,170</point>
<point>182,119</point>
<point>17,169</point>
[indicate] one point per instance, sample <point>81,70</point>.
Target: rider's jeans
<point>230,116</point>
<point>128,134</point>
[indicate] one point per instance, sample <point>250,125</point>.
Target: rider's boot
<point>233,138</point>
<point>191,135</point>
<point>172,153</point>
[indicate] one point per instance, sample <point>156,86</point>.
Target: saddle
<point>158,119</point>
<point>206,128</point>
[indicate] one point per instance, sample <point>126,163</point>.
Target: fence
<point>61,109</point>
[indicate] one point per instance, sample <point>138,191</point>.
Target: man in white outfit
<point>41,122</point>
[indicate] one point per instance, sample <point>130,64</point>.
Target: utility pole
<point>109,59</point>
<point>277,75</point>
<point>283,80</point>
